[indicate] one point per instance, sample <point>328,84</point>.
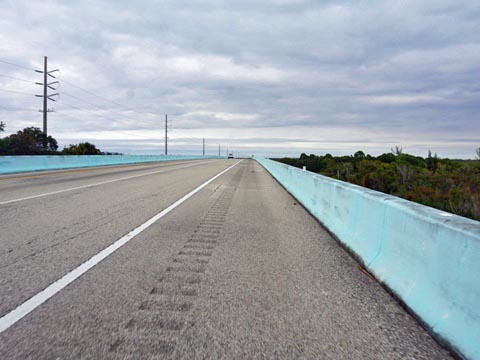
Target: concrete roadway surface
<point>238,270</point>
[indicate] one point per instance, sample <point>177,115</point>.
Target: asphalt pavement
<point>237,270</point>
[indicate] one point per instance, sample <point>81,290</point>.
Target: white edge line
<point>31,304</point>
<point>101,183</point>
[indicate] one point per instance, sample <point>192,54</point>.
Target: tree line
<point>32,141</point>
<point>446,184</point>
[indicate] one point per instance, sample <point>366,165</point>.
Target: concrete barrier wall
<point>429,258</point>
<point>16,164</point>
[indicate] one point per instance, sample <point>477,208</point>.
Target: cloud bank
<point>261,77</point>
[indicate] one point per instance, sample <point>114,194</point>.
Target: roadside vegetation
<point>32,141</point>
<point>445,184</point>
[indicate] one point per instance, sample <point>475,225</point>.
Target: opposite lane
<point>88,177</point>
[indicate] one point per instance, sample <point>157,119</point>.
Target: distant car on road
<point>230,156</point>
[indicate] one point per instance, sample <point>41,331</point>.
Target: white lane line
<point>31,304</point>
<point>100,183</point>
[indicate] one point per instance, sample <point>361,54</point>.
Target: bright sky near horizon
<point>270,78</point>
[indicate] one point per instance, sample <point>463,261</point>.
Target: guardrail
<point>429,258</point>
<point>16,164</point>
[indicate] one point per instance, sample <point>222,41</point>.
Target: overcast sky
<point>262,77</point>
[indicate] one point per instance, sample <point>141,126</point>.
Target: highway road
<point>184,260</point>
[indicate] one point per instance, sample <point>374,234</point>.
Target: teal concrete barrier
<point>17,164</point>
<point>429,258</point>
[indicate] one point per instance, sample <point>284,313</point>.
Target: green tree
<point>5,146</point>
<point>2,126</point>
<point>31,141</point>
<point>410,160</point>
<point>386,158</point>
<point>85,148</point>
<point>450,185</point>
<point>384,179</point>
<point>359,155</point>
<point>431,162</point>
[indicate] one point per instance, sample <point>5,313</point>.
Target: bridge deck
<point>239,270</point>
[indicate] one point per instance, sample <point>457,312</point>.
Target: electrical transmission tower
<point>166,134</point>
<point>46,85</point>
<point>168,126</point>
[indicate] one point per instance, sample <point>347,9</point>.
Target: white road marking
<point>28,306</point>
<point>99,183</point>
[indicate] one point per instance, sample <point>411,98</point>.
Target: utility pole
<point>203,146</point>
<point>218,150</point>
<point>46,85</point>
<point>166,134</point>
<point>45,110</point>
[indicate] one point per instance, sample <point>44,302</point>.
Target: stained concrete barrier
<point>429,258</point>
<point>17,164</point>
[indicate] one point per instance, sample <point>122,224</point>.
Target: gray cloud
<point>332,76</point>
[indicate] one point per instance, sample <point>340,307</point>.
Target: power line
<point>74,85</point>
<point>108,100</point>
<point>15,78</point>
<point>130,133</point>
<point>105,118</point>
<point>17,65</point>
<point>92,93</point>
<point>79,99</point>
<point>45,73</point>
<point>77,108</point>
<point>105,109</point>
<point>17,92</point>
<point>92,104</point>
<point>15,109</point>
